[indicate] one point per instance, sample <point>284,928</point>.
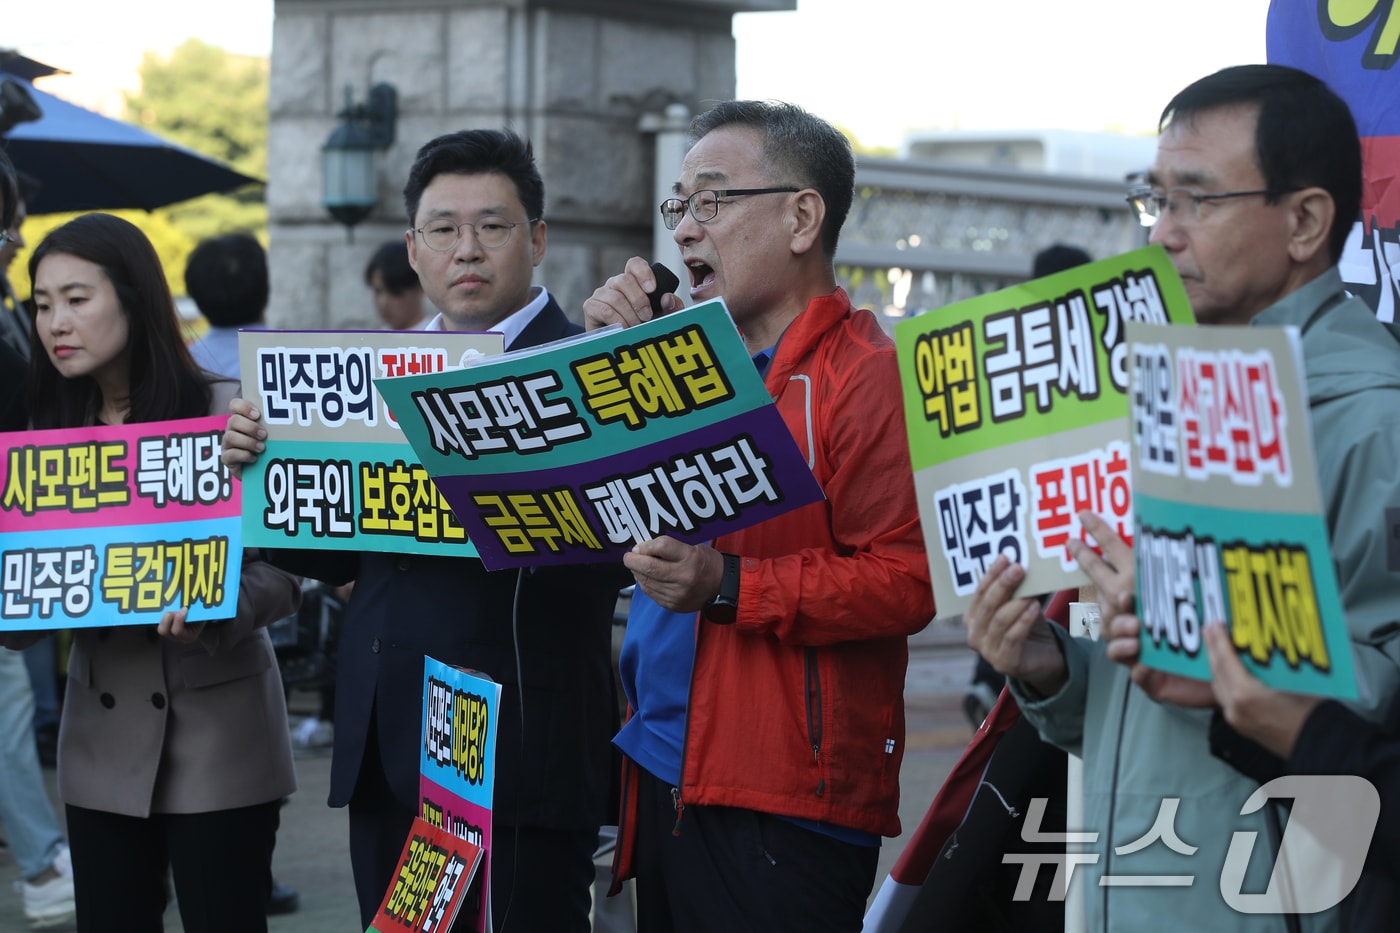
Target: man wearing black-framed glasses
<point>703,205</point>
<point>766,671</point>
<point>1255,187</point>
<point>474,201</point>
<point>1235,224</point>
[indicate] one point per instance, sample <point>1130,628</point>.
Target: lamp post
<point>349,182</point>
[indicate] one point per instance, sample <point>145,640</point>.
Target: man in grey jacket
<point>1255,187</point>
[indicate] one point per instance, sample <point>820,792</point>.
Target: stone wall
<point>577,77</point>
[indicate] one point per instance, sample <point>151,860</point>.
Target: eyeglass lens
<point>703,206</point>
<point>490,232</point>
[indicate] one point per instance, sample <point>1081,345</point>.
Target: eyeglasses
<point>1149,204</point>
<point>6,238</point>
<point>491,232</point>
<point>704,205</point>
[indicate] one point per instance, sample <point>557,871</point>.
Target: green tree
<point>215,103</point>
<point>861,149</point>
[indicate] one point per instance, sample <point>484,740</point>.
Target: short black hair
<point>1058,258</point>
<point>477,152</point>
<point>799,148</point>
<point>1305,136</point>
<point>391,260</point>
<point>227,278</point>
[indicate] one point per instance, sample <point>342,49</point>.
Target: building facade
<point>604,89</point>
<point>580,78</point>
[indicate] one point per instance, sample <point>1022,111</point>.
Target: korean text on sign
<point>1232,526</point>
<point>338,473</point>
<point>1096,481</point>
<point>662,377</point>
<point>511,415</point>
<point>574,451</point>
<point>115,525</point>
<point>1014,405</point>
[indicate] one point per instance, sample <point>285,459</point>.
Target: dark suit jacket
<point>405,606</point>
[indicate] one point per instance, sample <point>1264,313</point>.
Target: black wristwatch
<point>724,608</point>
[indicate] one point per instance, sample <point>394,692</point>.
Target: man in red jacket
<point>766,672</point>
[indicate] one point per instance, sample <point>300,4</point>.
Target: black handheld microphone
<point>666,281</point>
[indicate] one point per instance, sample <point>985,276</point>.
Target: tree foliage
<point>215,103</point>
<point>860,148</point>
<point>207,99</point>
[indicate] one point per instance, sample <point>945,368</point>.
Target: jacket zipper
<point>623,850</point>
<point>679,805</point>
<point>676,800</point>
<point>813,678</point>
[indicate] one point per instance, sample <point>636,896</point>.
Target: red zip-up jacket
<point>798,708</point>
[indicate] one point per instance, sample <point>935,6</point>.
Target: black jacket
<point>1335,740</point>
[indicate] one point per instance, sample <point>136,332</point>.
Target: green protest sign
<point>1015,405</point>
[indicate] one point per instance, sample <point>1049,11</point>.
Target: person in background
<point>227,278</point>
<point>766,672</point>
<point>173,752</point>
<point>398,295</point>
<point>34,836</point>
<point>1308,735</point>
<point>1058,258</point>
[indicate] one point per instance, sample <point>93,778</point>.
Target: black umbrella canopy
<point>84,161</point>
<point>26,68</point>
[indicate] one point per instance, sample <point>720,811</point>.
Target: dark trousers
<point>737,870</point>
<point>221,861</point>
<point>540,878</point>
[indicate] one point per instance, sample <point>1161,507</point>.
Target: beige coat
<point>151,725</point>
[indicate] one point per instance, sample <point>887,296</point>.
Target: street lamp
<point>349,182</point>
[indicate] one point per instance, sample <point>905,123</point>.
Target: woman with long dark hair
<point>173,748</point>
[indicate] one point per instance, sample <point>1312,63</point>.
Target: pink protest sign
<point>116,525</point>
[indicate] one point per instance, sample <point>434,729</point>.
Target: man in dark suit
<point>474,201</point>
